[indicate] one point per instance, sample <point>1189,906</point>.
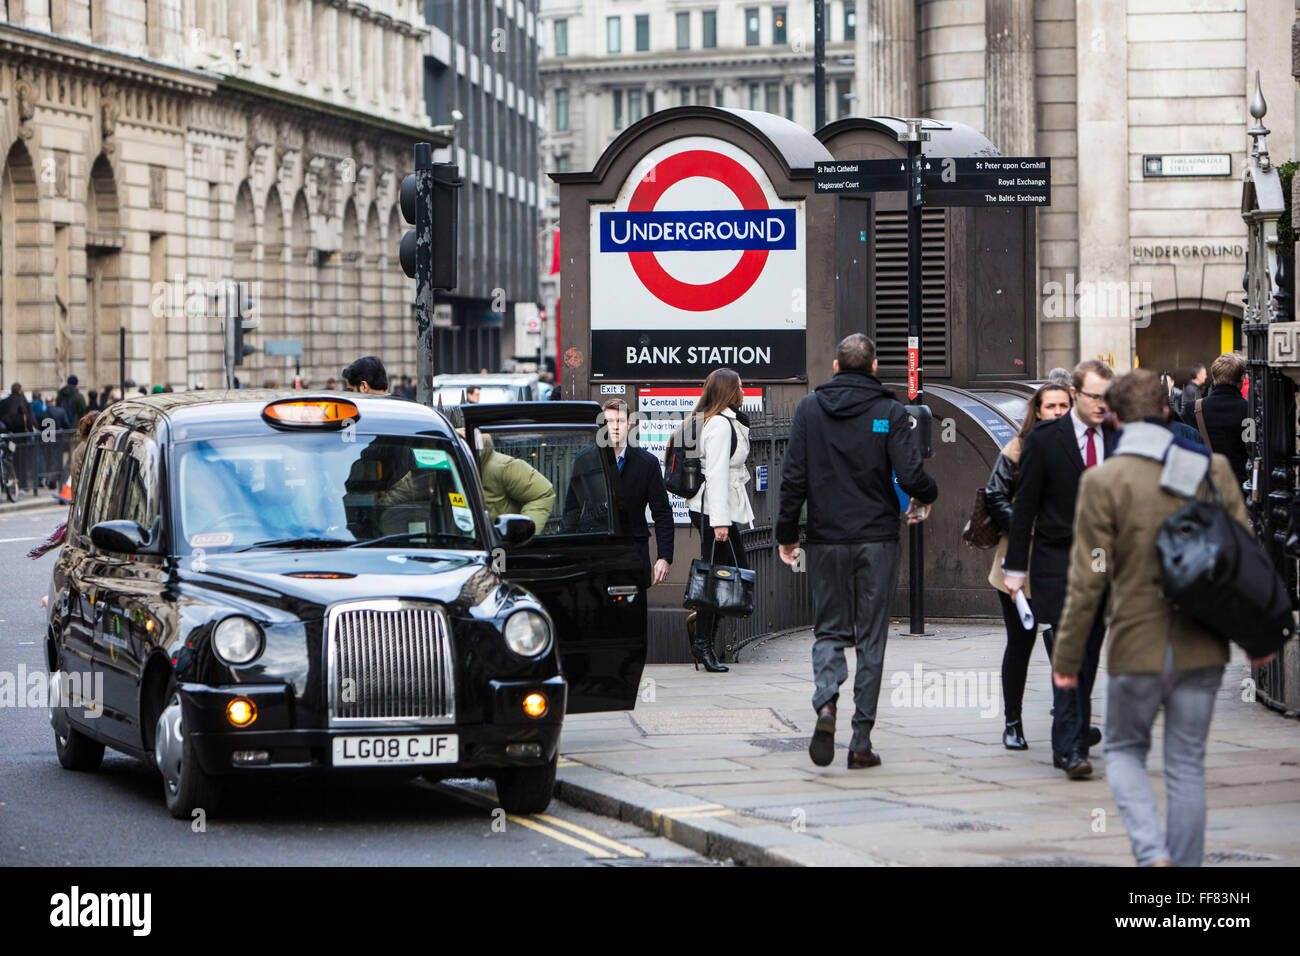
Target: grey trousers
<point>1131,704</point>
<point>852,587</point>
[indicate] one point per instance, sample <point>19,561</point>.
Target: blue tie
<point>620,461</point>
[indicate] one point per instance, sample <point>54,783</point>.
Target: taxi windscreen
<point>320,490</point>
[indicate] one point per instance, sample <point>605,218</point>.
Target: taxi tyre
<point>526,789</point>
<point>186,785</point>
<point>77,751</point>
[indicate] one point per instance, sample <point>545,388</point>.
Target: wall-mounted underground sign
<point>697,265</point>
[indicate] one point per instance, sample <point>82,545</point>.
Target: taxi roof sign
<point>311,413</point>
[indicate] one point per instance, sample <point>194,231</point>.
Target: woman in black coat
<point>1050,401</point>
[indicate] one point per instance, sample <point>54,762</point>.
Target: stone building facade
<point>607,63</point>
<point>1138,262</point>
<point>481,58</point>
<point>1141,104</point>
<point>156,148</point>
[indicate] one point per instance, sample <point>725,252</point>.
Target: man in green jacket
<point>1157,657</point>
<point>512,486</point>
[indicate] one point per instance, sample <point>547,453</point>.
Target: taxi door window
<point>140,503</point>
<point>103,502</point>
<point>554,476</point>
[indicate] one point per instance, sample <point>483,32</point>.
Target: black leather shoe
<point>861,759</point>
<point>1058,760</point>
<point>822,747</point>
<point>1094,736</point>
<point>1076,765</point>
<point>1013,738</point>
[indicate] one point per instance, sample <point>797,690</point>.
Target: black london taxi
<point>268,581</point>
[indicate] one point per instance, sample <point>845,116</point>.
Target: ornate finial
<point>1258,148</point>
<point>1257,105</point>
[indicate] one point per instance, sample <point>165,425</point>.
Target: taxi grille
<point>391,662</point>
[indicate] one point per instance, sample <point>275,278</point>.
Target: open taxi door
<point>552,462</point>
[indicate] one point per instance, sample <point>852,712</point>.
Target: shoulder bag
<point>724,589</point>
<point>1214,570</point>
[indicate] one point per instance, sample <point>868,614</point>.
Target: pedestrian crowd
<point>1074,509</point>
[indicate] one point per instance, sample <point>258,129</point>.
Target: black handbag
<point>981,530</point>
<point>724,589</point>
<point>1214,571</point>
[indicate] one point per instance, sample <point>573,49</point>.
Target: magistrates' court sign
<point>697,264</point>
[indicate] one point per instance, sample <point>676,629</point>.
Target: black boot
<point>702,649</point>
<point>1013,738</point>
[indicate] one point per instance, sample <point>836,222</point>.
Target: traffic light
<point>239,320</point>
<point>431,191</point>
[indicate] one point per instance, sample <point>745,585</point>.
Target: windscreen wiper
<point>305,542</point>
<point>456,540</point>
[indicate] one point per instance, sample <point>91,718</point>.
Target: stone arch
<point>399,293</point>
<point>271,304</point>
<point>300,290</point>
<point>350,312</point>
<point>245,261</point>
<point>102,319</point>
<point>377,336</point>
<point>1174,335</point>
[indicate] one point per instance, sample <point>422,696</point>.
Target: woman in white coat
<point>721,508</point>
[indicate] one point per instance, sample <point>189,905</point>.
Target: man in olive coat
<point>1157,657</point>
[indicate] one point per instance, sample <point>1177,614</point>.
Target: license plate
<point>375,750</point>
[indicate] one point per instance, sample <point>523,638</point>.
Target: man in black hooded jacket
<point>849,438</point>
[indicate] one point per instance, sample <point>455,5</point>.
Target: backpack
<point>683,475</point>
<point>1214,570</point>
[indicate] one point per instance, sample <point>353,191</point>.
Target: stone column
<point>886,60</point>
<point>1102,50</point>
<point>1009,100</point>
<point>1268,49</point>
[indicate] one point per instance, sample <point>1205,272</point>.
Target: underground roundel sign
<point>697,265</point>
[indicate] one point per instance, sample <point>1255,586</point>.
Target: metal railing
<point>39,459</point>
<point>782,599</point>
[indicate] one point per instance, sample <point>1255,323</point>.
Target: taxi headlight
<point>527,633</point>
<point>237,640</point>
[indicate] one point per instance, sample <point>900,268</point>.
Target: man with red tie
<point>1054,457</point>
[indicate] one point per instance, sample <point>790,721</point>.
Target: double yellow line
<point>590,842</point>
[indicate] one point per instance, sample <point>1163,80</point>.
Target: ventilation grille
<point>891,292</point>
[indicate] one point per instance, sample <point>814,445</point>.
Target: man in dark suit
<point>1054,457</point>
<point>586,507</point>
<point>1225,412</point>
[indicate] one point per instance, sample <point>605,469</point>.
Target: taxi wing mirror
<point>127,537</point>
<point>515,530</point>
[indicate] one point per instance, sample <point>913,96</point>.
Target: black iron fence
<point>38,460</point>
<point>782,600</point>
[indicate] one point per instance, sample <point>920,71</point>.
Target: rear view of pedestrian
<point>1157,658</point>
<point>1221,416</point>
<point>848,439</point>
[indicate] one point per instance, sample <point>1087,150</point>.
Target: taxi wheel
<point>526,789</point>
<point>77,751</point>
<point>186,787</point>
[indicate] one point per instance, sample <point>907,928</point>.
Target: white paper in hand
<point>1026,615</point>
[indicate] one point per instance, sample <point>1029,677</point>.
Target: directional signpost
<point>934,181</point>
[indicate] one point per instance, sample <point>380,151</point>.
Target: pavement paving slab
<point>718,763</point>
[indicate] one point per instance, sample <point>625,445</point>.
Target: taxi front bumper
<point>510,739</point>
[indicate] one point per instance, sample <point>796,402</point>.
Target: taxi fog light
<point>242,758</point>
<point>241,712</point>
<point>535,705</point>
<point>527,633</point>
<point>237,640</point>
<point>523,750</point>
